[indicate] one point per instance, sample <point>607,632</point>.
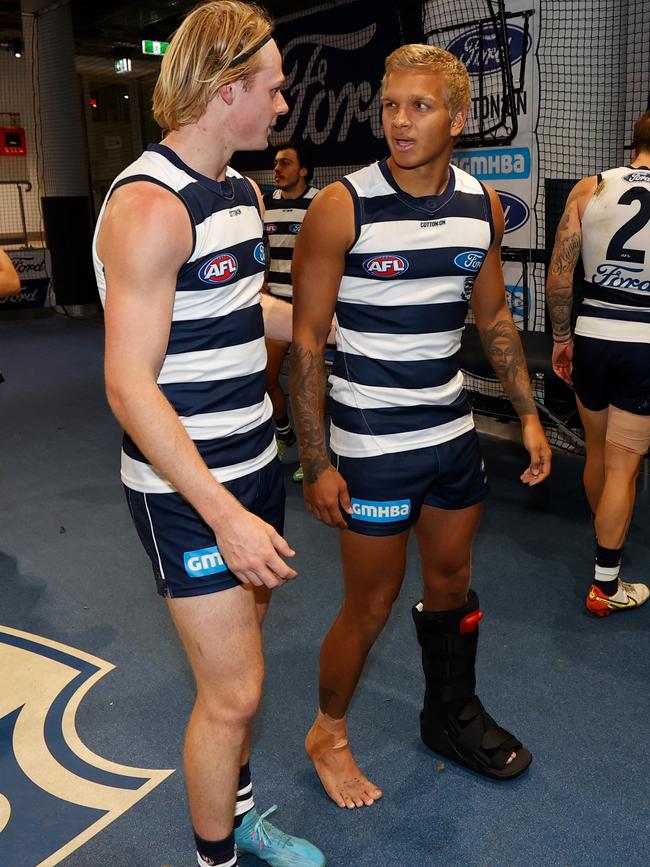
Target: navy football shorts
<point>612,372</point>
<point>181,546</point>
<point>388,491</point>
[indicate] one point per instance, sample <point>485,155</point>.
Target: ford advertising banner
<point>334,62</point>
<point>511,170</point>
<point>33,269</point>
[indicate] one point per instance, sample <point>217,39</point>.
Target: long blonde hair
<point>202,57</point>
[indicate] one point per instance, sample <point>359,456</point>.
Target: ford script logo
<point>294,228</point>
<point>221,269</point>
<point>479,51</point>
<point>470,260</point>
<point>638,178</point>
<point>515,211</point>
<point>387,266</point>
<point>260,254</point>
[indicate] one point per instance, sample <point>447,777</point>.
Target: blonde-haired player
<point>180,262</point>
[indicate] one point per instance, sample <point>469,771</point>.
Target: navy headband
<point>242,58</point>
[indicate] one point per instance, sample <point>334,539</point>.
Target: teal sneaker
<point>299,474</point>
<point>256,836</point>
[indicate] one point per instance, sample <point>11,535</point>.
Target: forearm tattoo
<point>506,355</point>
<point>307,378</point>
<point>559,289</point>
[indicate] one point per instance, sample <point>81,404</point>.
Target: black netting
<point>476,32</point>
<point>594,83</point>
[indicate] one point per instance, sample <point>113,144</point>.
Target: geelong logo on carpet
<point>55,794</point>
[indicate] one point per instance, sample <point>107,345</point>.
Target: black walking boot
<point>453,722</point>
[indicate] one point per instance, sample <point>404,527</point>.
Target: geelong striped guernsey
<point>282,221</point>
<point>402,303</point>
<point>616,258</point>
<point>213,373</point>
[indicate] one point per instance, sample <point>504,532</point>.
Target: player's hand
<point>327,496</point>
<point>563,361</point>
<point>253,550</point>
<point>539,450</point>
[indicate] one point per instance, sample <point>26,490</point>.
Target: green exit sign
<point>150,46</point>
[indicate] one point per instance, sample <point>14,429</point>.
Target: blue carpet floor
<point>573,688</point>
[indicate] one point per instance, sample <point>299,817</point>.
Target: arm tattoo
<point>504,351</point>
<point>565,254</point>
<point>307,377</point>
<point>559,288</point>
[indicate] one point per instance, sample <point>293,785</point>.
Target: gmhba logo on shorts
<point>205,561</point>
<point>380,511</point>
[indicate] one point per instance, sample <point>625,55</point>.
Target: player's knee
<point>629,434</point>
<point>451,576</point>
<point>235,706</point>
<point>373,614</point>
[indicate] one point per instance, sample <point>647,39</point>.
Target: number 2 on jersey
<point>617,250</point>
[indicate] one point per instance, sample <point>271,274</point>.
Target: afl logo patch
<point>470,260</point>
<point>515,211</point>
<point>260,254</point>
<point>220,269</point>
<point>271,228</point>
<point>294,228</point>
<point>386,266</point>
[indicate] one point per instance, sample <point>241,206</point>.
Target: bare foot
<point>341,776</point>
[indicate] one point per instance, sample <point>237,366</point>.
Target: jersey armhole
<point>150,180</point>
<point>356,202</point>
<point>252,195</point>
<point>488,212</point>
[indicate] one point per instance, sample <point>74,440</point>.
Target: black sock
<point>245,801</point>
<point>217,852</point>
<point>282,425</point>
<point>608,563</point>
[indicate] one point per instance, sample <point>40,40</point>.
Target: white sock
<point>230,863</point>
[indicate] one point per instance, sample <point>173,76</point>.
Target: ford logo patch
<point>260,254</point>
<point>470,260</point>
<point>479,51</point>
<point>515,211</point>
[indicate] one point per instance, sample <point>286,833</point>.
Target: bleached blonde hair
<point>202,57</point>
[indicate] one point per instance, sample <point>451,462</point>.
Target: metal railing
<point>19,188</point>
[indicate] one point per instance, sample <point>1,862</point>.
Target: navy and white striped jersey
<point>400,313</point>
<point>616,258</point>
<point>282,221</point>
<point>213,373</point>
